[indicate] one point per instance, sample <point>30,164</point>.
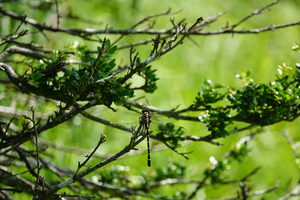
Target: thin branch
<point>143,42</point>
<point>106,122</point>
<point>160,111</point>
<point>6,130</point>
<point>236,130</point>
<point>248,194</point>
<point>13,35</point>
<point>57,14</point>
<point>72,149</point>
<point>125,190</point>
<point>37,155</point>
<point>13,179</point>
<point>84,33</point>
<point>15,145</point>
<point>250,31</point>
<point>179,153</point>
<point>118,126</point>
<point>76,177</point>
<point>245,178</point>
<point>23,157</point>
<point>151,16</point>
<point>292,142</point>
<point>68,15</point>
<point>208,20</point>
<point>24,86</point>
<point>13,112</point>
<point>102,140</point>
<point>185,33</point>
<point>262,192</point>
<point>256,12</point>
<point>19,139</point>
<point>207,138</point>
<point>294,192</point>
<point>199,186</point>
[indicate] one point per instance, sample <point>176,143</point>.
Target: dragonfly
<point>168,132</point>
<point>145,121</point>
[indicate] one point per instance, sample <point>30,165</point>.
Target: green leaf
<point>208,82</point>
<point>248,73</point>
<point>68,73</point>
<point>107,45</point>
<point>73,83</point>
<point>112,64</point>
<point>76,75</point>
<point>37,77</point>
<point>138,61</point>
<point>118,103</point>
<point>113,49</point>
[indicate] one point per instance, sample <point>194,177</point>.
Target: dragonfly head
<point>145,111</point>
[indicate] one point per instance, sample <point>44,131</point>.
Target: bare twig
<point>179,153</point>
<point>12,179</point>
<point>71,149</point>
<point>37,155</point>
<point>13,35</point>
<point>199,186</point>
<point>143,42</point>
<point>13,112</point>
<point>292,143</point>
<point>57,14</point>
<point>102,139</point>
<point>118,126</point>
<point>250,31</point>
<point>76,177</point>
<point>149,17</point>
<point>6,130</point>
<point>256,12</point>
<point>294,192</point>
<point>169,45</point>
<point>15,145</point>
<point>84,33</point>
<point>245,178</point>
<point>17,140</point>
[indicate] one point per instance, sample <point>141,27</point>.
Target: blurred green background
<point>181,73</point>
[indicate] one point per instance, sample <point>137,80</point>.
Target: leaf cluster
<point>170,134</point>
<point>258,104</point>
<point>92,79</point>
